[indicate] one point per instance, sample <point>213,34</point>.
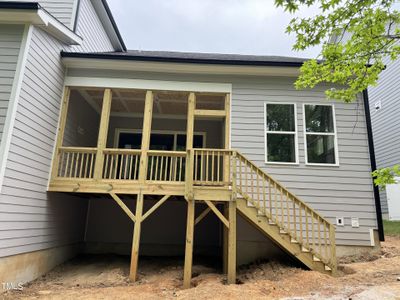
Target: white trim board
<point>13,102</point>
<point>122,83</point>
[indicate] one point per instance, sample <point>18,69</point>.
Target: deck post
<point>103,130</point>
<point>136,238</point>
<point>187,272</point>
<point>231,268</point>
<point>61,131</point>
<point>147,118</point>
<point>227,135</point>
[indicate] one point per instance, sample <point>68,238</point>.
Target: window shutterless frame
<point>334,134</point>
<point>295,133</point>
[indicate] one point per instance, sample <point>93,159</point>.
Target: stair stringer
<point>272,231</point>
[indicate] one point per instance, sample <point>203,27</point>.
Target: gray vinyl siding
<point>386,121</point>
<point>31,218</point>
<point>89,27</point>
<point>342,191</point>
<point>10,44</point>
<point>62,10</point>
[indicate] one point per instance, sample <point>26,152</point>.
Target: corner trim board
<point>13,101</point>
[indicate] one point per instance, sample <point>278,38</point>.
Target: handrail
<point>286,210</point>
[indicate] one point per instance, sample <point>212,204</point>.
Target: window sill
<point>281,163</point>
<point>322,165</point>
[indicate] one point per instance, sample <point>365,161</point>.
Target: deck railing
<point>214,168</point>
<point>75,162</point>
<point>121,164</point>
<point>166,166</point>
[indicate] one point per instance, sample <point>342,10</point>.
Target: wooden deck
<point>207,175</point>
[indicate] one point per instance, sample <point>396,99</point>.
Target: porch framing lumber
<point>123,206</point>
<point>136,238</point>
<point>61,131</point>
<point>147,119</point>
<point>217,213</point>
<point>187,270</point>
<point>155,206</point>
<point>202,215</point>
<point>103,131</point>
<point>210,113</point>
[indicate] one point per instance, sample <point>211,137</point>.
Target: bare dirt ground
<point>106,277</point>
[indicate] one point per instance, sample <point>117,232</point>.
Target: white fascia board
<point>189,68</point>
<point>43,19</point>
<point>122,83</point>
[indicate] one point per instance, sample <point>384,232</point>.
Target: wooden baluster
<point>207,162</point>
<point>172,158</point>
<point>201,165</point>
<point>218,166</point>
<point>85,173</point>
<point>281,196</point>
<point>120,162</point>
<point>332,242</point>
<point>294,218</point>
<point>151,163</point>
<point>92,159</point>
<point>258,187</point>
<point>131,157</point>
<point>264,196</point>
<point>276,202</point>
<point>313,229</point>
<point>301,220</point>
<point>288,211</point>
<point>111,174</point>
<point>307,228</point>
<point>325,241</point>
<point>126,158</point>
<point>156,170</point>
<point>81,165</point>
<point>71,164</point>
<point>76,164</point>
<point>212,166</point>
<point>319,234</point>
<point>165,168</point>
<point>270,196</point>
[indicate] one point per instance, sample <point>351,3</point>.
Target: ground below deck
<point>100,277</point>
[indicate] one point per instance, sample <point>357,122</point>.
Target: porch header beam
<point>155,85</point>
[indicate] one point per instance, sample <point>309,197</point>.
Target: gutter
<point>373,166</point>
<point>232,62</point>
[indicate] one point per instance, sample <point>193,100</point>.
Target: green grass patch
<point>391,227</point>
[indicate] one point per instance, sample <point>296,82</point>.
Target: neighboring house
<point>384,102</point>
<point>96,138</point>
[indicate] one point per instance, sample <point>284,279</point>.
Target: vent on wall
<point>378,105</point>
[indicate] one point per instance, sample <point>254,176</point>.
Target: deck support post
<point>187,272</point>
<point>225,232</point>
<point>103,130</point>
<point>136,238</point>
<point>231,268</point>
<point>147,118</point>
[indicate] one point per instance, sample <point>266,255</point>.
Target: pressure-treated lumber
<point>155,206</point>
<point>231,263</point>
<point>103,130</point>
<point>210,113</point>
<point>202,215</point>
<point>136,238</point>
<point>123,206</point>
<point>189,147</point>
<point>187,271</point>
<point>217,213</point>
<point>147,119</point>
<point>61,131</point>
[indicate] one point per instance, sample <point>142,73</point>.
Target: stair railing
<point>304,225</point>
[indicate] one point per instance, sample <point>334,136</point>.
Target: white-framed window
<point>320,136</point>
<point>281,144</point>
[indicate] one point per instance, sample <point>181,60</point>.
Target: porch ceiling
<point>131,101</point>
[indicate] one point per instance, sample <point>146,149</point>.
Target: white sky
<point>219,26</point>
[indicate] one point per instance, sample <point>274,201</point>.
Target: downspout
<point>373,165</point>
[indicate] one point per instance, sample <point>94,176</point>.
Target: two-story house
<point>164,153</point>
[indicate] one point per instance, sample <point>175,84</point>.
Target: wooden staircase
<point>283,217</point>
